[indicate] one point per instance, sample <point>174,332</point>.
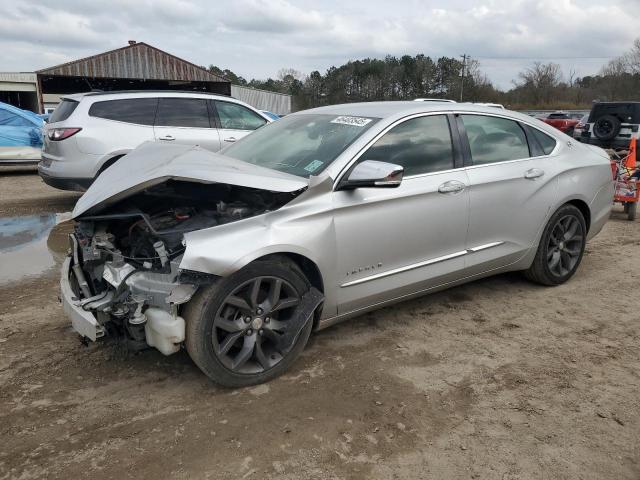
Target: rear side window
<point>236,117</point>
<point>183,112</point>
<point>546,142</point>
<point>10,119</point>
<point>141,111</point>
<point>63,111</point>
<point>420,145</point>
<point>495,139</point>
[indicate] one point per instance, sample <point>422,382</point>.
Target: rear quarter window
<point>141,111</point>
<point>545,142</point>
<point>63,111</point>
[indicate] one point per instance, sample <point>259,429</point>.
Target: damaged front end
<point>123,273</point>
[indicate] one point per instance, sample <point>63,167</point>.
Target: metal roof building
<point>138,66</point>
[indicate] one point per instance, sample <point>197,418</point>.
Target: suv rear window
<point>63,111</point>
<point>141,111</point>
<point>626,112</point>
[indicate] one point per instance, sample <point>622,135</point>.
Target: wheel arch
<point>309,268</point>
<point>584,209</point>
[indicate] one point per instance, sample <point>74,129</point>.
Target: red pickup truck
<point>563,121</point>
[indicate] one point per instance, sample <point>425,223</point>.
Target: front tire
<point>234,326</point>
<point>561,247</point>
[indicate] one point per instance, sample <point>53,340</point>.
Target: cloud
<point>255,38</point>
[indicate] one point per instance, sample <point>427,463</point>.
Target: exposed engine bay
<point>124,263</point>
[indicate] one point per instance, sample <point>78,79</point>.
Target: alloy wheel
<point>565,245</point>
<point>250,324</point>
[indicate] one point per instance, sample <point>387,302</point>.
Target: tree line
<point>540,86</point>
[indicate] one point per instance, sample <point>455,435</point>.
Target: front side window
<point>183,112</point>
<point>420,145</point>
<point>495,139</point>
<point>236,117</point>
<point>302,145</point>
<point>141,111</point>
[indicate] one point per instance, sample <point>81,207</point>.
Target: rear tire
<point>631,209</point>
<point>217,335</point>
<point>561,247</point>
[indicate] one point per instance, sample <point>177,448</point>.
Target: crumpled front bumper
<point>84,322</point>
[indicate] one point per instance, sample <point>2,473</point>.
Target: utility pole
<point>464,64</point>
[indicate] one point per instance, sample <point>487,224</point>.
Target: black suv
<point>612,124</point>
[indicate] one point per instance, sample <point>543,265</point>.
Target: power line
<point>544,58</point>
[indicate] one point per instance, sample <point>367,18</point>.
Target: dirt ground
<point>498,379</point>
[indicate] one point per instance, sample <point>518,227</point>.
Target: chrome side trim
<point>413,266</point>
<point>484,247</point>
<point>404,269</point>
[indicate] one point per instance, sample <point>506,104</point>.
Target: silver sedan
<point>319,217</point>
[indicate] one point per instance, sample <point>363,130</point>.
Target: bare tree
<point>540,81</point>
<point>631,59</point>
<point>291,72</point>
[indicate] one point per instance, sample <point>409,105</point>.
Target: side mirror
<point>373,174</point>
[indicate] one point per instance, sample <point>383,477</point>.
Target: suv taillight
<point>57,134</point>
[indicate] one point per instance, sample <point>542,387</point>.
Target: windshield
<point>302,145</point>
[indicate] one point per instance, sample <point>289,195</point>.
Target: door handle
<point>452,186</point>
<point>167,138</point>
<point>230,139</point>
<point>533,174</point>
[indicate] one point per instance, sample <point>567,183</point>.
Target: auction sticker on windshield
<point>355,121</point>
<point>313,166</point>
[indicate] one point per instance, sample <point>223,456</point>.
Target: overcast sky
<point>256,38</point>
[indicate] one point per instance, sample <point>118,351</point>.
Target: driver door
<point>394,242</point>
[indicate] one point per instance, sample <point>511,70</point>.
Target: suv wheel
<point>606,127</point>
<point>561,247</point>
<point>238,329</point>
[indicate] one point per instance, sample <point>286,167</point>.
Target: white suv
<point>89,132</point>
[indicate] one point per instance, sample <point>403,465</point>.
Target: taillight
<point>57,134</point>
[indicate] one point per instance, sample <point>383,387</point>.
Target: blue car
<point>271,115</point>
<point>20,135</point>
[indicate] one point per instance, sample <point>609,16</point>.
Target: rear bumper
<point>65,183</point>
<point>82,321</point>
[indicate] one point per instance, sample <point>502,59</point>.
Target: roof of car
<point>145,93</point>
<point>392,109</point>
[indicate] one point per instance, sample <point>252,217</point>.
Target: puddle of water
<point>30,245</point>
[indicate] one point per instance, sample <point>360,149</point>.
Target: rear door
<point>513,183</point>
<point>235,121</point>
<point>187,121</point>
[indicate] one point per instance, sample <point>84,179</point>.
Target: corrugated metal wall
<point>277,103</point>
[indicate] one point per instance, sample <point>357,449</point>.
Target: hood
<point>153,163</point>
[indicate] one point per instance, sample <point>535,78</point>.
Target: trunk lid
<point>152,163</point>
